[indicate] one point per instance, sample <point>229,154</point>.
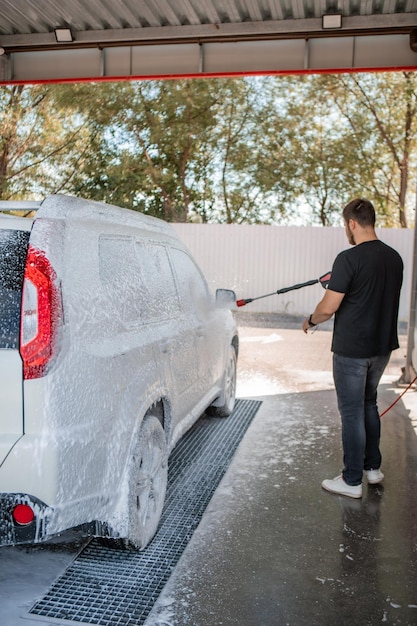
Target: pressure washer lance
<point>323,280</point>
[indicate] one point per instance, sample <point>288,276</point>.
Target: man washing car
<point>363,295</point>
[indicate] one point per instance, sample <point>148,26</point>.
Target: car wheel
<point>229,388</point>
<point>147,483</point>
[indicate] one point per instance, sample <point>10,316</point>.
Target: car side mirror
<point>225,299</point>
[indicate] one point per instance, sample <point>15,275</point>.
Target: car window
<point>120,276</point>
<point>13,250</point>
<point>162,301</point>
<point>192,286</point>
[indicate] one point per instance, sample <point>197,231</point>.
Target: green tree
<point>381,110</point>
<point>340,136</point>
<point>319,145</point>
<point>150,148</point>
<point>253,150</point>
<point>288,130</point>
<point>180,150</point>
<point>235,146</point>
<point>40,142</point>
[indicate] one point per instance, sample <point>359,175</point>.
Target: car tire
<point>147,483</point>
<point>229,387</point>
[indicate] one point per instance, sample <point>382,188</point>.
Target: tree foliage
<point>381,112</point>
<point>42,139</point>
<point>250,150</point>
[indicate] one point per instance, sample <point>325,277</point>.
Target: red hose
<point>399,397</point>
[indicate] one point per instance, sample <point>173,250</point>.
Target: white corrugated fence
<point>255,260</point>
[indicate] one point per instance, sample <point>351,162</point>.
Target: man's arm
<point>325,309</point>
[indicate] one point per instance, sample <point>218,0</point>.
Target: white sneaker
<point>374,476</point>
<point>338,485</point>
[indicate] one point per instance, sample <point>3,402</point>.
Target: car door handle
<point>200,331</point>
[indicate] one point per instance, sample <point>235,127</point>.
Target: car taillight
<point>41,312</point>
<point>23,514</point>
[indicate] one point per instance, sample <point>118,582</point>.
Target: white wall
<point>255,260</point>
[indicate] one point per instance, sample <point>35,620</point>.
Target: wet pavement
<point>273,548</point>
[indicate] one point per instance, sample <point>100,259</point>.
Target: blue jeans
<point>356,382</point>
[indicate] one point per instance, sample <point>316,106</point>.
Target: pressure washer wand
<point>323,280</point>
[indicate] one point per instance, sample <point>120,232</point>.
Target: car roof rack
<point>19,205</point>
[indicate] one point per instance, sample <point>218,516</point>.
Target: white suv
<point>111,347</point>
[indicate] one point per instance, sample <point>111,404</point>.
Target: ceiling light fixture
<point>332,21</point>
<point>63,35</point>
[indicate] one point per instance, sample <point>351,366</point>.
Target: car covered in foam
<point>111,346</point>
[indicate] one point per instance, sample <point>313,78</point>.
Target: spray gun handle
<point>324,280</point>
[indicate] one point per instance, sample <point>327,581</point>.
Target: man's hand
<point>306,325</point>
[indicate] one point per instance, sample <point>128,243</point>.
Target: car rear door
<point>207,324</point>
<point>14,238</point>
<point>173,337</point>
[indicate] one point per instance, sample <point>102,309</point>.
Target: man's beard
<point>351,238</point>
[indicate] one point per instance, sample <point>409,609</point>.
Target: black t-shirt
<point>370,275</point>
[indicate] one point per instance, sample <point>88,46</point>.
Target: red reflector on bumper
<point>23,514</point>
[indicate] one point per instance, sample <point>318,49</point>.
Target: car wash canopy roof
<point>93,39</point>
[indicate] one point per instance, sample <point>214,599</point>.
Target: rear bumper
<point>12,533</point>
<point>37,531</point>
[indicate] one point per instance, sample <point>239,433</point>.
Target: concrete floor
<point>273,548</point>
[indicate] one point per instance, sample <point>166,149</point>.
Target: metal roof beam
<point>403,22</point>
<point>290,55</point>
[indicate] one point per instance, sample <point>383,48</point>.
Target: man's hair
<point>360,210</point>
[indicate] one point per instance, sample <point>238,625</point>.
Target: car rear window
<point>13,250</point>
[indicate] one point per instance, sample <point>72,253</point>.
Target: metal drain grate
<point>113,587</point>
